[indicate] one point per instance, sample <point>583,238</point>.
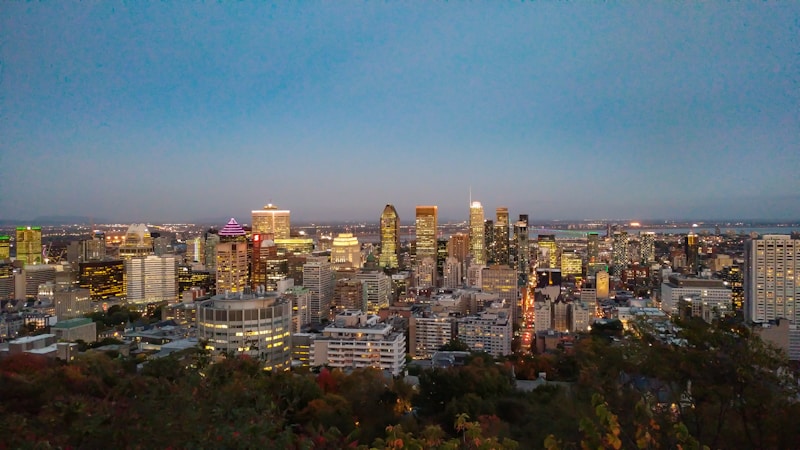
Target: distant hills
<point>54,220</point>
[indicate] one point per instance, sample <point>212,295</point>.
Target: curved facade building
<point>390,237</point>
<point>254,324</point>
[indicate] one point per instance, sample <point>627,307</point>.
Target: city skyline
<point>186,113</point>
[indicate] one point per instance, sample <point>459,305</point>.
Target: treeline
<point>723,389</point>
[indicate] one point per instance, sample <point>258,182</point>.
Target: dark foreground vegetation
<point>721,389</point>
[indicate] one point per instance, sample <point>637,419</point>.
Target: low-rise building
<point>489,331</point>
<point>82,328</point>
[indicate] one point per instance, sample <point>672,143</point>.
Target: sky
<point>182,111</point>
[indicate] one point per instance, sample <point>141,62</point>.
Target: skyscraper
<point>29,245</point>
<point>548,249</point>
<point>691,250</point>
<point>619,252</point>
<point>501,236</point>
<point>477,238</point>
<point>318,279</point>
<point>272,220</point>
<point>647,246</point>
<point>772,279</point>
<point>522,248</point>
<point>390,237</point>
<point>5,247</point>
<point>346,252</point>
<point>426,227</point>
<point>232,270</point>
<point>592,248</point>
<point>152,279</point>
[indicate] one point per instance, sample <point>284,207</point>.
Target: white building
<point>429,332</point>
<point>152,279</point>
<point>254,324</point>
<point>581,316</point>
<point>490,331</point>
<point>706,290</point>
<point>356,340</point>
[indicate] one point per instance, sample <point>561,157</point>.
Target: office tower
<point>452,276</point>
<point>5,247</point>
<point>522,253</point>
<point>377,289</point>
<point>690,249</point>
<point>104,279</point>
<point>138,242</point>
<point>268,267</point>
<point>425,273</point>
<point>477,238</point>
<point>210,251</point>
<point>253,324</point>
<point>272,220</point>
<point>733,276</point>
<point>571,263</point>
<point>488,241</point>
<point>619,252</point>
<point>6,281</point>
<point>772,279</point>
<point>548,251</point>
<point>390,238</point>
<point>195,250</point>
<point>348,293</point>
<point>501,246</point>
<point>71,302</point>
<point>29,245</point>
<point>318,279</point>
<point>426,227</point>
<point>152,279</point>
<point>592,248</point>
<point>602,284</point>
<point>346,252</point>
<point>647,246</point>
<point>458,247</point>
<point>231,267</point>
<point>501,280</point>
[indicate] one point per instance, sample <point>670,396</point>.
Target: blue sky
<point>184,111</point>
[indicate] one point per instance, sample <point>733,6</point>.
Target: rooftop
<point>72,323</point>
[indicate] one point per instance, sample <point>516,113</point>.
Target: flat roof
<point>72,323</point>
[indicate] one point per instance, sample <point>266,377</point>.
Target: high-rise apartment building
<point>772,279</point>
<point>453,273</point>
<point>390,238</point>
<point>619,252</point>
<point>318,279</point>
<point>647,247</point>
<point>29,245</point>
<point>231,266</point>
<point>477,238</point>
<point>348,293</point>
<point>152,279</point>
<point>377,289</point>
<point>272,220</point>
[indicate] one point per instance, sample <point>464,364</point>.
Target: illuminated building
<point>390,238</point>
<point>733,276</point>
<point>104,279</point>
<point>346,252</point>
<point>501,280</point>
<point>592,248</point>
<point>711,291</point>
<point>268,266</point>
<point>210,251</point>
<point>488,242</point>
<point>349,294</point>
<point>691,250</point>
<point>377,288</point>
<point>295,245</point>
<point>36,275</point>
<point>29,245</point>
<point>647,246</point>
<point>522,252</point>
<point>272,220</point>
<point>232,269</point>
<point>253,324</point>
<point>477,240</point>
<point>5,247</point>
<point>152,279</point>
<point>318,279</point>
<point>425,273</point>
<point>299,296</point>
<point>571,264</point>
<point>189,277</point>
<point>6,280</point>
<point>452,278</point>
<point>548,250</point>
<point>356,340</point>
<point>458,248</point>
<point>489,331</point>
<point>772,282</point>
<point>441,256</point>
<point>501,246</point>
<point>619,252</point>
<point>426,226</point>
<point>138,242</point>
<point>602,284</point>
